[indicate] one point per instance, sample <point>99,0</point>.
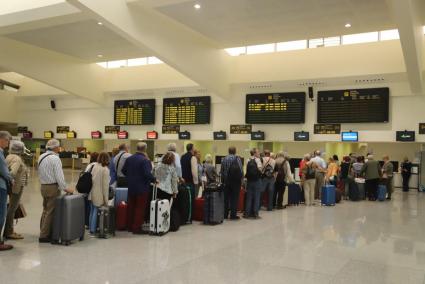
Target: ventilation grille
<point>311,83</point>
<point>261,86</point>
<point>369,81</point>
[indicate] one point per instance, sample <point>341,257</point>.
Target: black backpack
<point>252,171</point>
<point>235,173</point>
<point>268,170</point>
<point>311,173</point>
<point>85,182</point>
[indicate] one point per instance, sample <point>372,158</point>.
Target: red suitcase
<point>121,212</point>
<point>198,209</point>
<point>241,204</point>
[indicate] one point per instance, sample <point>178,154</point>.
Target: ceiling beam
<point>187,51</point>
<point>57,70</point>
<point>408,19</point>
<point>43,17</point>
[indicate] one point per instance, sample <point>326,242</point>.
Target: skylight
<point>130,62</point>
<point>360,38</point>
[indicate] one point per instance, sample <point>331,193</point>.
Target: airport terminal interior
<point>332,86</point>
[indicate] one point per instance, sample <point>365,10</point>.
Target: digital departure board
<point>275,108</point>
<point>170,129</point>
<point>112,129</point>
<point>190,110</point>
<point>353,106</point>
<point>421,128</point>
<point>327,128</point>
<point>62,129</point>
<point>22,129</point>
<point>240,129</point>
<point>134,112</point>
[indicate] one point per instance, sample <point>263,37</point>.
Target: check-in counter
<point>71,163</point>
<point>413,182</point>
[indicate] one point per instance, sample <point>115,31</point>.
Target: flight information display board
<point>190,110</point>
<point>327,128</point>
<point>353,106</point>
<point>134,112</point>
<point>276,108</point>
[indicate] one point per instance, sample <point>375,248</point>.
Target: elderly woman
<point>166,174</point>
<point>19,172</point>
<point>209,170</point>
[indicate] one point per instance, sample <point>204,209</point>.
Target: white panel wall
<point>8,107</point>
<point>82,116</point>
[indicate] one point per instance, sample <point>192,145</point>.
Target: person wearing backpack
<point>119,161</point>
<point>253,185</point>
<point>283,178</point>
<point>231,176</point>
<point>99,194</point>
<point>268,179</point>
<point>308,181</point>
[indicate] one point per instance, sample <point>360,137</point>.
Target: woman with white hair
<point>209,169</point>
<point>19,172</point>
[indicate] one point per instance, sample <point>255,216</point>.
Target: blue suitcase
<point>328,195</point>
<point>121,194</point>
<point>382,192</point>
<point>294,194</point>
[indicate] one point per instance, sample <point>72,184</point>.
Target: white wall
<point>83,116</point>
<point>8,107</point>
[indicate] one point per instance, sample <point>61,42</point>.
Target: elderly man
<point>52,183</point>
<point>119,161</point>
<point>173,148</point>
<point>5,184</point>
<point>138,171</point>
<point>320,173</point>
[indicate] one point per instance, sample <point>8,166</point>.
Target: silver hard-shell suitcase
<point>69,219</point>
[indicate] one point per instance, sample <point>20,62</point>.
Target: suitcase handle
<point>154,191</point>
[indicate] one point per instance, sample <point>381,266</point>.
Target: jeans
<point>231,199</point>
<point>279,191</point>
<point>3,210</point>
<point>253,192</point>
<point>93,218</point>
<point>268,188</point>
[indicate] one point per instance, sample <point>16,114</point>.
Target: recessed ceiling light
<point>100,23</point>
<point>197,6</point>
<point>100,55</point>
<point>348,25</point>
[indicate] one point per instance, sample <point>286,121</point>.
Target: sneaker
<point>5,247</point>
<point>15,236</point>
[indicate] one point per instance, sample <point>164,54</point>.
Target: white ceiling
<point>84,39</point>
<point>245,22</point>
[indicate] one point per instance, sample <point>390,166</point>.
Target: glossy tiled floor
<point>351,243</point>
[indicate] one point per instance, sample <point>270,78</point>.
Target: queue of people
<point>264,181</point>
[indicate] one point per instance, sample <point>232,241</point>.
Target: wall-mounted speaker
<point>311,93</point>
<point>53,104</point>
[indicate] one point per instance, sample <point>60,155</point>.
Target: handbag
<point>20,212</point>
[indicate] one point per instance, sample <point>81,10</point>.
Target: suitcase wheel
<point>67,243</point>
<point>81,238</point>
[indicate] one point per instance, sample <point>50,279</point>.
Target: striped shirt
<point>50,170</point>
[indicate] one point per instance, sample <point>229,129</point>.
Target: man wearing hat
<point>52,183</point>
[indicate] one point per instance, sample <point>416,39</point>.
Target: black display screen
<point>353,106</point>
<point>134,112</point>
<point>405,136</point>
<point>220,135</point>
<point>301,136</point>
<point>257,135</point>
<point>190,110</point>
<point>185,135</point>
<point>276,108</point>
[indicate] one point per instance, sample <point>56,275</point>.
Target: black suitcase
<point>175,220</point>
<point>106,222</point>
<point>213,207</point>
<point>353,192</point>
<point>294,194</point>
<point>184,204</point>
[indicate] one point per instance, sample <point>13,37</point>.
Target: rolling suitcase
<point>175,220</point>
<point>241,201</point>
<point>121,216</point>
<point>68,219</point>
<point>214,207</point>
<point>106,222</point>
<point>354,192</point>
<point>328,195</point>
<point>121,194</point>
<point>159,214</point>
<point>294,194</point>
<point>360,182</point>
<point>184,204</point>
<point>338,195</point>
<point>382,192</point>
<point>198,209</point>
